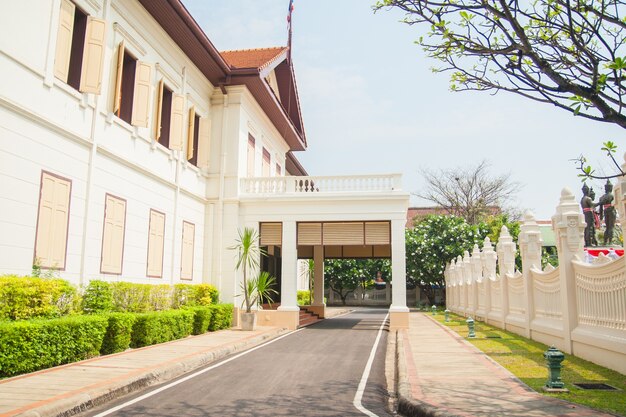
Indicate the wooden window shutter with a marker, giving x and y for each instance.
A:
(177, 122)
(141, 94)
(310, 234)
(186, 262)
(156, 241)
(204, 142)
(93, 56)
(159, 109)
(113, 235)
(343, 233)
(53, 220)
(117, 99)
(191, 128)
(377, 233)
(271, 234)
(251, 156)
(266, 163)
(64, 40)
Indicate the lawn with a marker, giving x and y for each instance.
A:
(524, 358)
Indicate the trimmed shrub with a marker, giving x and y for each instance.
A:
(28, 346)
(161, 326)
(222, 317)
(131, 297)
(201, 319)
(160, 297)
(206, 294)
(23, 298)
(98, 297)
(118, 332)
(187, 295)
(303, 298)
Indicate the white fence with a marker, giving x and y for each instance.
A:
(321, 184)
(578, 307)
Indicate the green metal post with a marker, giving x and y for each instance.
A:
(554, 357)
(470, 326)
(434, 309)
(447, 314)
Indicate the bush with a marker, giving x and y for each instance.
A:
(206, 294)
(31, 345)
(202, 318)
(131, 297)
(303, 298)
(118, 333)
(23, 298)
(162, 326)
(98, 297)
(194, 295)
(222, 317)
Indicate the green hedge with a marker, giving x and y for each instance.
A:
(162, 326)
(202, 318)
(303, 298)
(222, 317)
(27, 346)
(119, 332)
(29, 297)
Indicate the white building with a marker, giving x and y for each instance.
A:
(131, 149)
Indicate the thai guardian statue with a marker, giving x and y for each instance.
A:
(587, 205)
(608, 212)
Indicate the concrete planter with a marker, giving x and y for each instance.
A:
(248, 321)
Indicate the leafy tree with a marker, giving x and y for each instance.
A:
(471, 192)
(433, 242)
(570, 54)
(344, 276)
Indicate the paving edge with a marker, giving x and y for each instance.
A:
(87, 400)
(407, 405)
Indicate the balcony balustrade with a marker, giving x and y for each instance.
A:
(383, 183)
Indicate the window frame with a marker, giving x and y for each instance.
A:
(162, 245)
(182, 250)
(106, 196)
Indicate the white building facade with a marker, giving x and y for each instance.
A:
(132, 150)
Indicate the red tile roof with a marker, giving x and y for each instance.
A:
(252, 58)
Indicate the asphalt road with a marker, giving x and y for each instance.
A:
(312, 372)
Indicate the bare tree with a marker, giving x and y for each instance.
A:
(470, 192)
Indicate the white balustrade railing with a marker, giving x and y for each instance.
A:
(321, 184)
(547, 293)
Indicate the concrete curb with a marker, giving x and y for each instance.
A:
(91, 398)
(409, 406)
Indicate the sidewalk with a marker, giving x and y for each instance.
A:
(442, 375)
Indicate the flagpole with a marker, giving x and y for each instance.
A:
(289, 35)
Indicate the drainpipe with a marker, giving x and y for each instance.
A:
(220, 209)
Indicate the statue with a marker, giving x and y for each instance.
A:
(608, 212)
(587, 205)
(596, 218)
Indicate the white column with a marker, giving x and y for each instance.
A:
(530, 242)
(318, 279)
(569, 224)
(289, 275)
(398, 267)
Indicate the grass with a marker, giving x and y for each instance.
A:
(524, 358)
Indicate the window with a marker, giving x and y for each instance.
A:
(186, 261)
(113, 235)
(79, 51)
(156, 241)
(251, 155)
(198, 139)
(52, 221)
(169, 124)
(132, 88)
(279, 171)
(266, 163)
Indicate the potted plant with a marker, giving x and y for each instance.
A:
(255, 290)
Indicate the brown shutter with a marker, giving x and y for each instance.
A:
(159, 109)
(204, 142)
(191, 128)
(141, 94)
(93, 56)
(271, 234)
(343, 233)
(52, 221)
(156, 241)
(186, 262)
(117, 100)
(377, 233)
(309, 234)
(177, 122)
(64, 40)
(113, 235)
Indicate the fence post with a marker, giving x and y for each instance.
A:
(506, 264)
(569, 226)
(530, 250)
(488, 258)
(620, 199)
(477, 277)
(469, 282)
(463, 285)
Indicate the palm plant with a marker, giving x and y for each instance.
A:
(248, 254)
(263, 290)
(310, 273)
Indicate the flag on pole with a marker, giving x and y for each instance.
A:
(289, 12)
(289, 27)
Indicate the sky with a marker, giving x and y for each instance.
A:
(371, 103)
